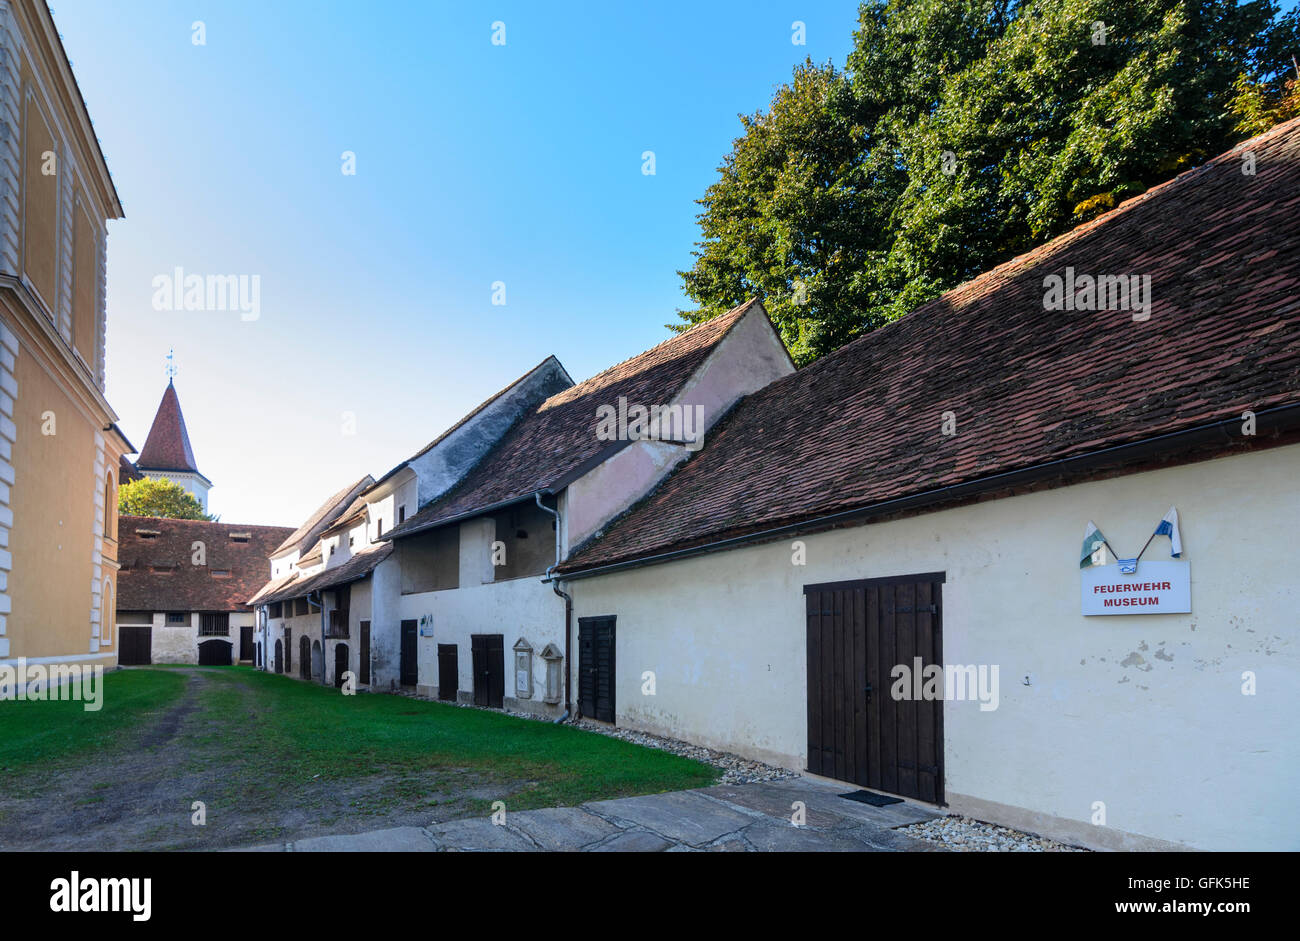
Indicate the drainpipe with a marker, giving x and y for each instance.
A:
(568, 602)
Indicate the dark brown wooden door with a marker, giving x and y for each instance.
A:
(288, 650)
(857, 731)
(596, 668)
(279, 657)
(304, 657)
(409, 667)
(448, 671)
(214, 653)
(363, 655)
(489, 659)
(135, 646)
(246, 642)
(340, 663)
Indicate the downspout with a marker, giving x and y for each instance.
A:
(568, 603)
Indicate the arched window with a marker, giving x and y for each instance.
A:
(110, 507)
(107, 615)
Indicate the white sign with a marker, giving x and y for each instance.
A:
(1155, 588)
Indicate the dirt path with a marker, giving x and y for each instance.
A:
(141, 795)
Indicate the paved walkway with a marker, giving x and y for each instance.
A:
(729, 817)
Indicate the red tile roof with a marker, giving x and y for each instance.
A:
(1027, 385)
(168, 446)
(549, 444)
(158, 571)
(358, 567)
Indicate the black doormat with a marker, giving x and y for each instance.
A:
(875, 800)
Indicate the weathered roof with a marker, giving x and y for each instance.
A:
(550, 443)
(126, 471)
(1026, 385)
(470, 415)
(271, 587)
(359, 566)
(159, 571)
(307, 534)
(168, 446)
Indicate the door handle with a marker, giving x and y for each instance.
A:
(867, 690)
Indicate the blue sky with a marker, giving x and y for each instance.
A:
(475, 163)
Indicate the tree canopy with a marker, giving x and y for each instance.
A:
(961, 133)
(165, 498)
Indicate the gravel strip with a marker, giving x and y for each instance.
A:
(973, 836)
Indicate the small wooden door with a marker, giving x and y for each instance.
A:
(135, 645)
(596, 668)
(857, 731)
(246, 651)
(288, 649)
(363, 654)
(410, 664)
(448, 671)
(304, 657)
(489, 659)
(279, 657)
(340, 663)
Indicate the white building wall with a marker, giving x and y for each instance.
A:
(519, 607)
(1143, 713)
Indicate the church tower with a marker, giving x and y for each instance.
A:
(167, 453)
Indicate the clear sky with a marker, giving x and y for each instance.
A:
(475, 163)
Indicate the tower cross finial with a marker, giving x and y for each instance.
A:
(171, 365)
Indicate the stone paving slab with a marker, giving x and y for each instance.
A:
(394, 840)
(633, 841)
(723, 818)
(478, 835)
(681, 816)
(561, 829)
(825, 798)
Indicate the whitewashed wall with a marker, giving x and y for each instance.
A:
(1143, 713)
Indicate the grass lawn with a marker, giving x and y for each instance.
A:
(275, 758)
(33, 733)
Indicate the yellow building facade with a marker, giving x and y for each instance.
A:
(60, 448)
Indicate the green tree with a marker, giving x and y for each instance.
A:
(150, 497)
(963, 132)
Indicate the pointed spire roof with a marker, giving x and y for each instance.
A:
(168, 446)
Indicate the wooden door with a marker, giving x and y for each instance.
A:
(304, 657)
(857, 731)
(363, 654)
(340, 663)
(246, 642)
(288, 649)
(410, 665)
(214, 653)
(448, 671)
(489, 660)
(596, 668)
(279, 657)
(135, 645)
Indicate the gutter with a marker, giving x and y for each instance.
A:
(568, 604)
(1285, 417)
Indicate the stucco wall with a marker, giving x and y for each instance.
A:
(1143, 713)
(520, 607)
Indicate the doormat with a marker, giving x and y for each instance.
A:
(875, 800)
